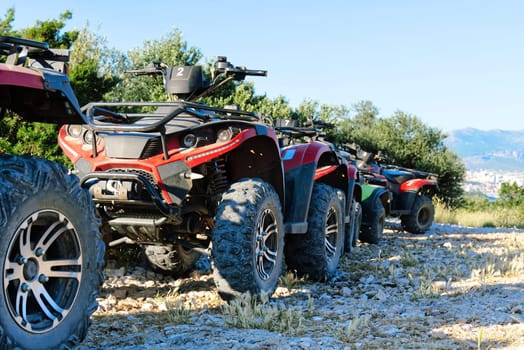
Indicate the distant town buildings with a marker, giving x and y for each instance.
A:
(489, 181)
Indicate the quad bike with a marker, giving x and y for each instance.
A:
(291, 136)
(410, 190)
(51, 249)
(368, 201)
(182, 178)
(375, 202)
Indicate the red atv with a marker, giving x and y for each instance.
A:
(410, 190)
(51, 250)
(309, 140)
(182, 178)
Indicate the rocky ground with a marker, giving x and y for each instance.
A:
(451, 288)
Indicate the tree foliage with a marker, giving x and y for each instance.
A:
(170, 49)
(50, 31)
(6, 24)
(511, 195)
(507, 209)
(94, 67)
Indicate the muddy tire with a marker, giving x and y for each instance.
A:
(353, 227)
(421, 217)
(316, 253)
(171, 260)
(248, 240)
(372, 233)
(51, 252)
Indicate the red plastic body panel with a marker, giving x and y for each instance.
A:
(416, 184)
(325, 170)
(302, 154)
(352, 171)
(21, 76)
(75, 150)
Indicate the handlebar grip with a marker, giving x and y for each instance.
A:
(256, 72)
(145, 71)
(151, 69)
(240, 73)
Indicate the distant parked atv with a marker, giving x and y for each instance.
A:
(51, 250)
(411, 190)
(292, 139)
(375, 203)
(179, 178)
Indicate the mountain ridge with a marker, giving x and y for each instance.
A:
(496, 149)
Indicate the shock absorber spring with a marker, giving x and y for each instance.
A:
(220, 181)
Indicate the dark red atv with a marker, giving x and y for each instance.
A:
(182, 178)
(308, 139)
(410, 190)
(51, 250)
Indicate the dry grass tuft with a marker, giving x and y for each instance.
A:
(251, 312)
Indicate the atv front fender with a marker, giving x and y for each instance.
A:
(305, 164)
(370, 195)
(409, 191)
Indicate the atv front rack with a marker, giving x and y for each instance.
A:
(100, 117)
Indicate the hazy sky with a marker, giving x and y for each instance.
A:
(452, 63)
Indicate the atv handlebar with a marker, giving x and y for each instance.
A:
(152, 69)
(189, 83)
(245, 72)
(222, 66)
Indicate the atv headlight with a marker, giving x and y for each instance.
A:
(190, 140)
(88, 137)
(224, 135)
(74, 130)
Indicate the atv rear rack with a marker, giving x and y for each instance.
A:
(421, 174)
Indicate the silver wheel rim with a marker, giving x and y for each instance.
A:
(266, 249)
(42, 271)
(331, 233)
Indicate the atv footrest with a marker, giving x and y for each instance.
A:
(142, 222)
(138, 229)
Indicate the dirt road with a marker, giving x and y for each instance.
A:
(451, 288)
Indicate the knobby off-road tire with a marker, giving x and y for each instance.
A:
(373, 233)
(353, 227)
(317, 252)
(248, 240)
(51, 255)
(171, 260)
(421, 217)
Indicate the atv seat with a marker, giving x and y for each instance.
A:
(397, 176)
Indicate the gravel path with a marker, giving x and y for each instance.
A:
(451, 288)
